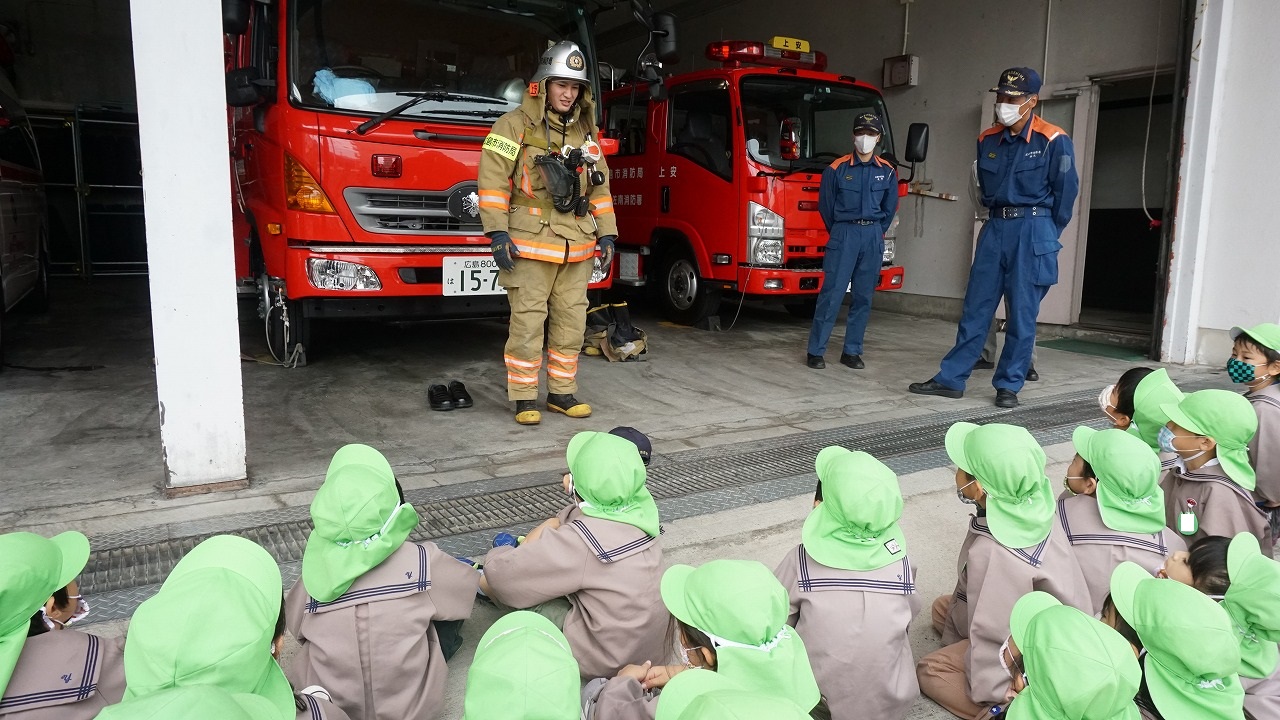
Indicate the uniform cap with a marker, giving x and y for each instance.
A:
(1192, 652)
(1149, 397)
(699, 694)
(869, 121)
(1009, 464)
(1266, 335)
(523, 670)
(643, 445)
(1253, 602)
(359, 521)
(856, 526)
(1129, 495)
(743, 608)
(1229, 419)
(196, 702)
(1018, 81)
(609, 476)
(32, 567)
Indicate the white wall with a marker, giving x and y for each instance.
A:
(963, 46)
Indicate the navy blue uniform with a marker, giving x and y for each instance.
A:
(1029, 182)
(857, 201)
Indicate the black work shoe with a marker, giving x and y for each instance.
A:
(527, 412)
(815, 361)
(439, 398)
(1006, 398)
(1032, 375)
(983, 365)
(933, 387)
(458, 392)
(567, 404)
(853, 361)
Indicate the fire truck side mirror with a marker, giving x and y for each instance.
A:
(658, 91)
(917, 143)
(243, 88)
(664, 37)
(235, 16)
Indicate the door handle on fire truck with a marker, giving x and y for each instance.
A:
(428, 135)
(666, 198)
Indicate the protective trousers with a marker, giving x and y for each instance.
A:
(536, 290)
(854, 252)
(1016, 259)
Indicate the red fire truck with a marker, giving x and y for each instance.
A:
(715, 183)
(356, 131)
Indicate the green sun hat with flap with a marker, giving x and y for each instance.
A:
(196, 702)
(1265, 334)
(1077, 668)
(698, 694)
(609, 476)
(1229, 419)
(211, 623)
(1153, 392)
(523, 670)
(1009, 464)
(1192, 650)
(856, 526)
(743, 609)
(1129, 495)
(1253, 602)
(32, 568)
(359, 521)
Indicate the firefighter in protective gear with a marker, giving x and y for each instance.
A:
(545, 206)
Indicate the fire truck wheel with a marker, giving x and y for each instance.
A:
(686, 298)
(802, 309)
(287, 351)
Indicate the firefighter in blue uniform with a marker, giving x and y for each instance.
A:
(1027, 174)
(857, 198)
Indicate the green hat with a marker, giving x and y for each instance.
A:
(523, 670)
(698, 694)
(196, 702)
(1152, 393)
(211, 623)
(1253, 602)
(359, 521)
(856, 526)
(1078, 668)
(32, 567)
(1265, 334)
(1010, 465)
(743, 609)
(608, 475)
(1192, 650)
(1229, 419)
(1129, 494)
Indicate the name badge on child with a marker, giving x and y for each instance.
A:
(1188, 523)
(893, 547)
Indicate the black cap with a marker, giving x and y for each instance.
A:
(1018, 81)
(640, 439)
(869, 121)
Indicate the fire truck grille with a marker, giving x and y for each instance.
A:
(413, 212)
(803, 264)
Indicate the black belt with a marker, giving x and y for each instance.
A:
(860, 222)
(1009, 212)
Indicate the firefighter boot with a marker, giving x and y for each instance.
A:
(527, 412)
(568, 404)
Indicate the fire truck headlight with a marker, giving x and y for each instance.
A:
(765, 229)
(599, 271)
(764, 251)
(890, 251)
(341, 275)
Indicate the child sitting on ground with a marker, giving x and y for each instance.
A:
(1014, 545)
(365, 585)
(1209, 490)
(1135, 403)
(523, 670)
(1255, 362)
(594, 568)
(852, 590)
(1117, 509)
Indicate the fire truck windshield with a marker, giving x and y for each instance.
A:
(363, 56)
(799, 123)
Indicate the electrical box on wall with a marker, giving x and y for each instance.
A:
(903, 70)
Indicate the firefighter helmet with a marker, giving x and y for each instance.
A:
(562, 61)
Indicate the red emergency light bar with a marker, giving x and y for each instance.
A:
(733, 53)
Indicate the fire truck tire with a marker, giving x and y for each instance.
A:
(299, 333)
(802, 309)
(686, 298)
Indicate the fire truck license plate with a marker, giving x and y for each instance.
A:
(471, 276)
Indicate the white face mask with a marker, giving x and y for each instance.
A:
(1008, 113)
(865, 143)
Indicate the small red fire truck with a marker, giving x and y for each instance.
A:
(715, 183)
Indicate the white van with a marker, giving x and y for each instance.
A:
(24, 235)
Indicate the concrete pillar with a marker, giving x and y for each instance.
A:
(178, 65)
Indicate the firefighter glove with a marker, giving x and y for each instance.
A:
(606, 249)
(504, 250)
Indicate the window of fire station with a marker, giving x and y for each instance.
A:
(793, 122)
(370, 56)
(627, 120)
(701, 128)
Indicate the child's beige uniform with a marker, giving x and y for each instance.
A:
(965, 676)
(610, 573)
(64, 675)
(1221, 506)
(375, 649)
(855, 625)
(1099, 550)
(1262, 697)
(1264, 448)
